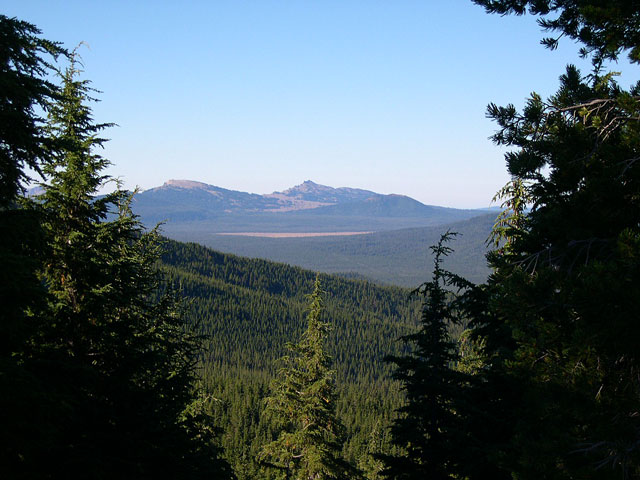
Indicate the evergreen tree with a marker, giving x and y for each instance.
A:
(370, 462)
(25, 90)
(560, 307)
(569, 283)
(119, 361)
(429, 426)
(24, 93)
(302, 407)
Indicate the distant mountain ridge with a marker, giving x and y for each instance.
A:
(307, 195)
(304, 206)
(339, 230)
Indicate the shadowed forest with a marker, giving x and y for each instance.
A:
(128, 355)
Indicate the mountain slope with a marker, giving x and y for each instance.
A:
(252, 307)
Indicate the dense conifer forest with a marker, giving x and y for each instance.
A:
(126, 356)
(249, 309)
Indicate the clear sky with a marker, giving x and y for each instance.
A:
(261, 95)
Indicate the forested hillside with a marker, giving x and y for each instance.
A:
(249, 309)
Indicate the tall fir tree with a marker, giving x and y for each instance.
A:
(25, 92)
(563, 298)
(120, 360)
(429, 429)
(568, 284)
(302, 407)
(25, 63)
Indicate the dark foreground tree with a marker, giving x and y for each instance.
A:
(429, 428)
(25, 89)
(24, 94)
(562, 302)
(569, 284)
(115, 362)
(302, 408)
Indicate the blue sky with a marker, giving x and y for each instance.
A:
(259, 96)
